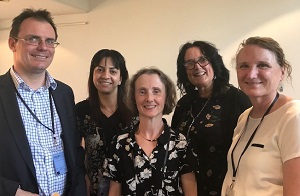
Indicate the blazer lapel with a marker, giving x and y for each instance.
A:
(59, 100)
(14, 119)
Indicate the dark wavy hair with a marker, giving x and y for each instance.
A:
(40, 15)
(221, 81)
(119, 63)
(271, 45)
(170, 101)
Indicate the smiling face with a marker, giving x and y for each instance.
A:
(106, 77)
(201, 77)
(258, 72)
(150, 96)
(29, 59)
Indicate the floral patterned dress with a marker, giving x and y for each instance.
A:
(209, 126)
(98, 137)
(143, 175)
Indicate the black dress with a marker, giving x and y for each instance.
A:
(208, 125)
(98, 137)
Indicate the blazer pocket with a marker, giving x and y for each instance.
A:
(258, 145)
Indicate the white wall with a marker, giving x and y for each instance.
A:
(149, 33)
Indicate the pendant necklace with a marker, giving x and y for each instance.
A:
(194, 118)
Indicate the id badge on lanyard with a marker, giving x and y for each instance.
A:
(59, 163)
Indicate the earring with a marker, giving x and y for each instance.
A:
(280, 87)
(215, 77)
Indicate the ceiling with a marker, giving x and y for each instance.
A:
(10, 9)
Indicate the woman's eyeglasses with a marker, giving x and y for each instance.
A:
(202, 61)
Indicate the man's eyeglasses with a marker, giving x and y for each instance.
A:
(202, 61)
(35, 41)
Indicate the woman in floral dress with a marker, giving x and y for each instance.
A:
(103, 114)
(151, 158)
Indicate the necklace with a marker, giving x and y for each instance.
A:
(194, 118)
(149, 140)
(191, 111)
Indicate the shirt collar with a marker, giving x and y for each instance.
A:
(19, 82)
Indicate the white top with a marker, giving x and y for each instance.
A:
(276, 141)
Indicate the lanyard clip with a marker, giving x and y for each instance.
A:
(232, 184)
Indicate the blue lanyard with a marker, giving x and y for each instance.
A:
(36, 118)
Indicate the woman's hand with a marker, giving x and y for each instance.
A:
(291, 177)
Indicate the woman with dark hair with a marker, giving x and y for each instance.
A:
(151, 158)
(208, 111)
(103, 114)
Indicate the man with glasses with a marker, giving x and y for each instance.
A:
(39, 145)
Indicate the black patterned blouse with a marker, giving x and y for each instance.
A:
(210, 134)
(143, 175)
(98, 137)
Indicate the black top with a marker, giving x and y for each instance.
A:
(98, 136)
(210, 134)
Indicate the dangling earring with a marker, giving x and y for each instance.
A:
(280, 87)
(215, 77)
